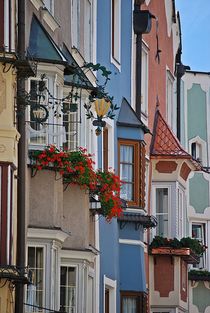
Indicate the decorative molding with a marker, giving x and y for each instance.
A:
(53, 234)
(86, 255)
(49, 19)
(132, 242)
(166, 166)
(37, 4)
(185, 171)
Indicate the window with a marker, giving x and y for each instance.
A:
(181, 213)
(75, 25)
(68, 289)
(49, 4)
(6, 205)
(171, 118)
(144, 81)
(129, 164)
(132, 302)
(38, 133)
(105, 150)
(88, 29)
(198, 232)
(70, 123)
(35, 291)
(196, 151)
(162, 203)
(116, 30)
(132, 171)
(109, 295)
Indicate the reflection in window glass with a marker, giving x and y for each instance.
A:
(162, 211)
(68, 289)
(35, 291)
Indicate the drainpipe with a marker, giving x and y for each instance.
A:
(137, 7)
(20, 256)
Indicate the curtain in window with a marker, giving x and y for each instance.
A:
(129, 305)
(126, 171)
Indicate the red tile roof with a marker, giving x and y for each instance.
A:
(164, 142)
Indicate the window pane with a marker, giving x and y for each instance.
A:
(68, 289)
(129, 305)
(127, 192)
(197, 232)
(162, 200)
(126, 172)
(126, 154)
(162, 228)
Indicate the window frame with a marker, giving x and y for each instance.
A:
(39, 245)
(73, 265)
(116, 32)
(159, 185)
(204, 257)
(75, 24)
(136, 165)
(181, 231)
(170, 106)
(50, 6)
(140, 300)
(111, 285)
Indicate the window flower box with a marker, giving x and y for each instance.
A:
(196, 275)
(185, 253)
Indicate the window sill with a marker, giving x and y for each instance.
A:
(49, 19)
(116, 63)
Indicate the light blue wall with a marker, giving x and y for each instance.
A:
(199, 192)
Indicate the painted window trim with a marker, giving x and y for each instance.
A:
(205, 255)
(156, 185)
(181, 189)
(112, 286)
(169, 77)
(116, 60)
(75, 265)
(202, 144)
(136, 145)
(138, 295)
(32, 244)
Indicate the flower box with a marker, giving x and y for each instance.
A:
(185, 253)
(196, 275)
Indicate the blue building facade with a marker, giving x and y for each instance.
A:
(122, 266)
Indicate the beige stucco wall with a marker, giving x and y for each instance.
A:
(49, 205)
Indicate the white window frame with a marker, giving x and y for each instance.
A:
(181, 212)
(111, 285)
(205, 241)
(74, 265)
(75, 23)
(43, 246)
(170, 113)
(116, 54)
(88, 32)
(159, 310)
(201, 145)
(144, 81)
(155, 186)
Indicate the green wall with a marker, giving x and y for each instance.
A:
(197, 112)
(199, 192)
(201, 297)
